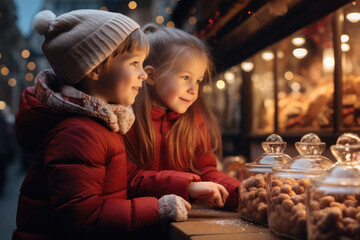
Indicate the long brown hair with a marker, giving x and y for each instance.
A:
(168, 46)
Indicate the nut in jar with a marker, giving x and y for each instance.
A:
(252, 189)
(287, 184)
(333, 202)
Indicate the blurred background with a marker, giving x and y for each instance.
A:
(283, 66)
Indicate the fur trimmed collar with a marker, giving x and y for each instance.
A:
(119, 118)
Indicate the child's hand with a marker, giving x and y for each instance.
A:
(173, 208)
(210, 194)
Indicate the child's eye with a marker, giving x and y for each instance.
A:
(135, 64)
(185, 77)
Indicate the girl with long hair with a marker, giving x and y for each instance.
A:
(174, 129)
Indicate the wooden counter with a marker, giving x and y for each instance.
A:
(209, 224)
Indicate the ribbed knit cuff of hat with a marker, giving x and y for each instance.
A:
(172, 208)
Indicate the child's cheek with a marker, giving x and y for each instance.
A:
(171, 91)
(121, 77)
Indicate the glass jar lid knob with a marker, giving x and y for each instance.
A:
(347, 148)
(310, 144)
(274, 144)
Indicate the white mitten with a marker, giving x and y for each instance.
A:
(172, 208)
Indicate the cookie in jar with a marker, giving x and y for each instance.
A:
(333, 200)
(287, 184)
(252, 189)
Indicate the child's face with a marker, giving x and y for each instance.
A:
(121, 83)
(178, 88)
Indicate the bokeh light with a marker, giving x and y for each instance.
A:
(132, 5)
(29, 77)
(25, 53)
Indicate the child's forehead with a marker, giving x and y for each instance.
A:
(191, 62)
(135, 54)
(196, 66)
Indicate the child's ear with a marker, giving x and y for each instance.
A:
(150, 72)
(94, 74)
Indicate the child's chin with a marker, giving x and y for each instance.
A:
(180, 111)
(128, 103)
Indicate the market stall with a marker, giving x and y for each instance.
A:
(286, 67)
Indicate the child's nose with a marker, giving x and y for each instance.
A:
(143, 75)
(193, 88)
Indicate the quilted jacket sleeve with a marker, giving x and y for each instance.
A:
(158, 183)
(206, 164)
(75, 163)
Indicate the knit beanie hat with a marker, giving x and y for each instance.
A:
(78, 41)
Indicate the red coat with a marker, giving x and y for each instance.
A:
(77, 184)
(205, 163)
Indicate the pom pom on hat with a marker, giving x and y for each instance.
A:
(42, 21)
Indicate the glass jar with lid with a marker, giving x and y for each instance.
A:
(252, 189)
(287, 184)
(333, 200)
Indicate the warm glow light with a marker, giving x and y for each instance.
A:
(328, 60)
(29, 77)
(300, 53)
(159, 19)
(289, 75)
(2, 105)
(229, 77)
(31, 65)
(353, 17)
(345, 47)
(132, 4)
(267, 56)
(25, 53)
(12, 82)
(4, 71)
(170, 24)
(344, 38)
(298, 41)
(295, 86)
(104, 8)
(328, 63)
(168, 10)
(247, 66)
(192, 20)
(0, 55)
(220, 84)
(207, 89)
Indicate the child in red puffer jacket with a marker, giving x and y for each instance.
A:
(174, 129)
(77, 185)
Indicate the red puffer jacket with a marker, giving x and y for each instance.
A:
(77, 185)
(205, 163)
